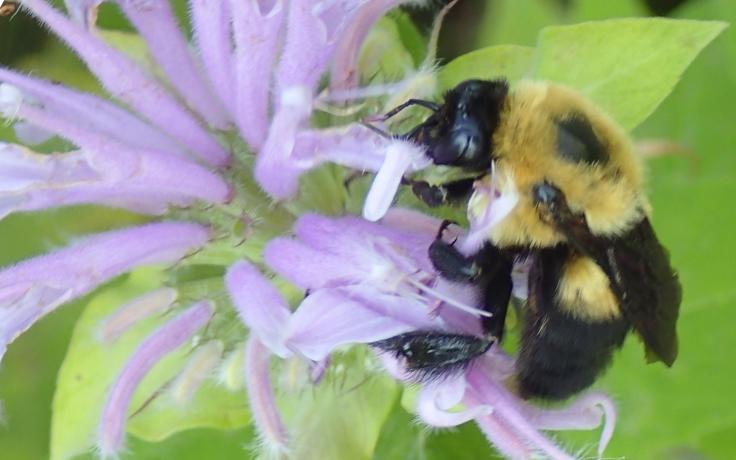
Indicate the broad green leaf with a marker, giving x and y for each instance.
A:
(91, 366)
(503, 61)
(212, 406)
(626, 66)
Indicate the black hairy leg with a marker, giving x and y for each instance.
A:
(437, 195)
(434, 354)
(489, 269)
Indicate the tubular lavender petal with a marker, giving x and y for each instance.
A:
(511, 415)
(145, 182)
(500, 436)
(266, 416)
(160, 343)
(257, 31)
(93, 112)
(157, 25)
(344, 73)
(127, 82)
(131, 313)
(212, 29)
(259, 305)
(34, 287)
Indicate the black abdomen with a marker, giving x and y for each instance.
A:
(561, 354)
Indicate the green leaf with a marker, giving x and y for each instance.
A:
(212, 406)
(508, 61)
(90, 367)
(626, 66)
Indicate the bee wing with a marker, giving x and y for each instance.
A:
(648, 288)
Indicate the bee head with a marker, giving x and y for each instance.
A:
(460, 132)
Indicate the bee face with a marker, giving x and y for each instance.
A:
(461, 132)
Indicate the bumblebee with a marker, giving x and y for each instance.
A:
(582, 218)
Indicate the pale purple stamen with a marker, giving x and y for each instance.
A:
(160, 343)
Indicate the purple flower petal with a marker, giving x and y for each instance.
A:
(509, 413)
(274, 169)
(344, 73)
(160, 343)
(327, 319)
(353, 146)
(131, 313)
(400, 156)
(212, 33)
(348, 235)
(31, 134)
(142, 181)
(89, 113)
(35, 287)
(306, 267)
(585, 413)
(257, 26)
(127, 82)
(157, 25)
(271, 430)
(314, 29)
(436, 399)
(259, 305)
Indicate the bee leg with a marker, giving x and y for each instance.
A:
(553, 209)
(489, 269)
(433, 106)
(437, 195)
(433, 354)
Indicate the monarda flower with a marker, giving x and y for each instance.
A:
(213, 145)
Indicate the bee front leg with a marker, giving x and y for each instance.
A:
(438, 195)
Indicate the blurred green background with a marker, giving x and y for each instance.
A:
(684, 413)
